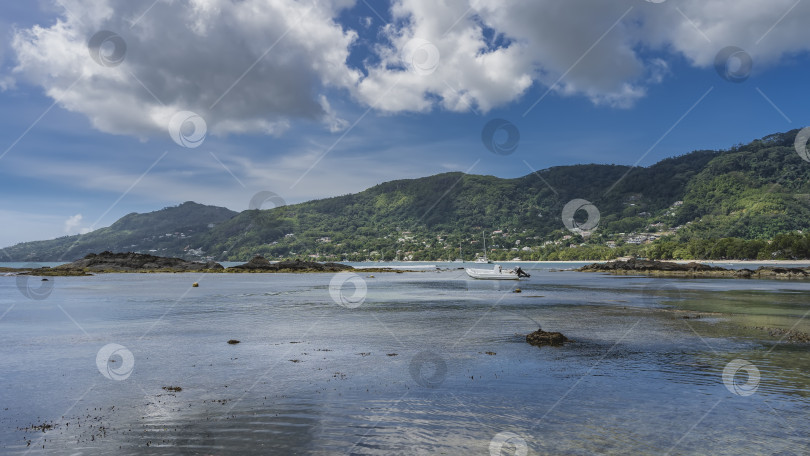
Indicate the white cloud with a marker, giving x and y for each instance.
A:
(247, 66)
(331, 119)
(6, 81)
(596, 48)
(186, 55)
(72, 225)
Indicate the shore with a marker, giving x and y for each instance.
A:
(743, 262)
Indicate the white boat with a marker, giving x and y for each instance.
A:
(496, 273)
(484, 259)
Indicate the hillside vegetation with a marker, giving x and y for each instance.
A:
(750, 201)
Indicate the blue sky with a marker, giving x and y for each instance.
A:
(311, 100)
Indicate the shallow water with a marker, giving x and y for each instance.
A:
(404, 372)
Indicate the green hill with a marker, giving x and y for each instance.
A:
(705, 204)
(172, 230)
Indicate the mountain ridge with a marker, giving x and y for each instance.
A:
(753, 193)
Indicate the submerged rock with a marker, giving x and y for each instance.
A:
(540, 338)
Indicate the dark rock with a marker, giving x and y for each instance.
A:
(770, 271)
(261, 264)
(743, 273)
(540, 338)
(693, 270)
(636, 265)
(135, 262)
(233, 341)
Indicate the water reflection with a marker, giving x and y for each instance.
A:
(644, 366)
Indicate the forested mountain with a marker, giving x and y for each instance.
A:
(705, 204)
(172, 230)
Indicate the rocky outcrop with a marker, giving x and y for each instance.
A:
(635, 265)
(134, 262)
(540, 338)
(693, 270)
(775, 273)
(260, 264)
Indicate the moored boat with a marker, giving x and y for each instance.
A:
(497, 273)
(484, 259)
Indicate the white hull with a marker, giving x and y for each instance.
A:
(495, 273)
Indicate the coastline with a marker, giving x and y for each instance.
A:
(770, 262)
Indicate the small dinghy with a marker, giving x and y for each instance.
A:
(497, 273)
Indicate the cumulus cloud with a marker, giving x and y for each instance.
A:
(6, 82)
(72, 225)
(609, 51)
(247, 66)
(255, 66)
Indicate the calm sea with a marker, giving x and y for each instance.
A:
(418, 363)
